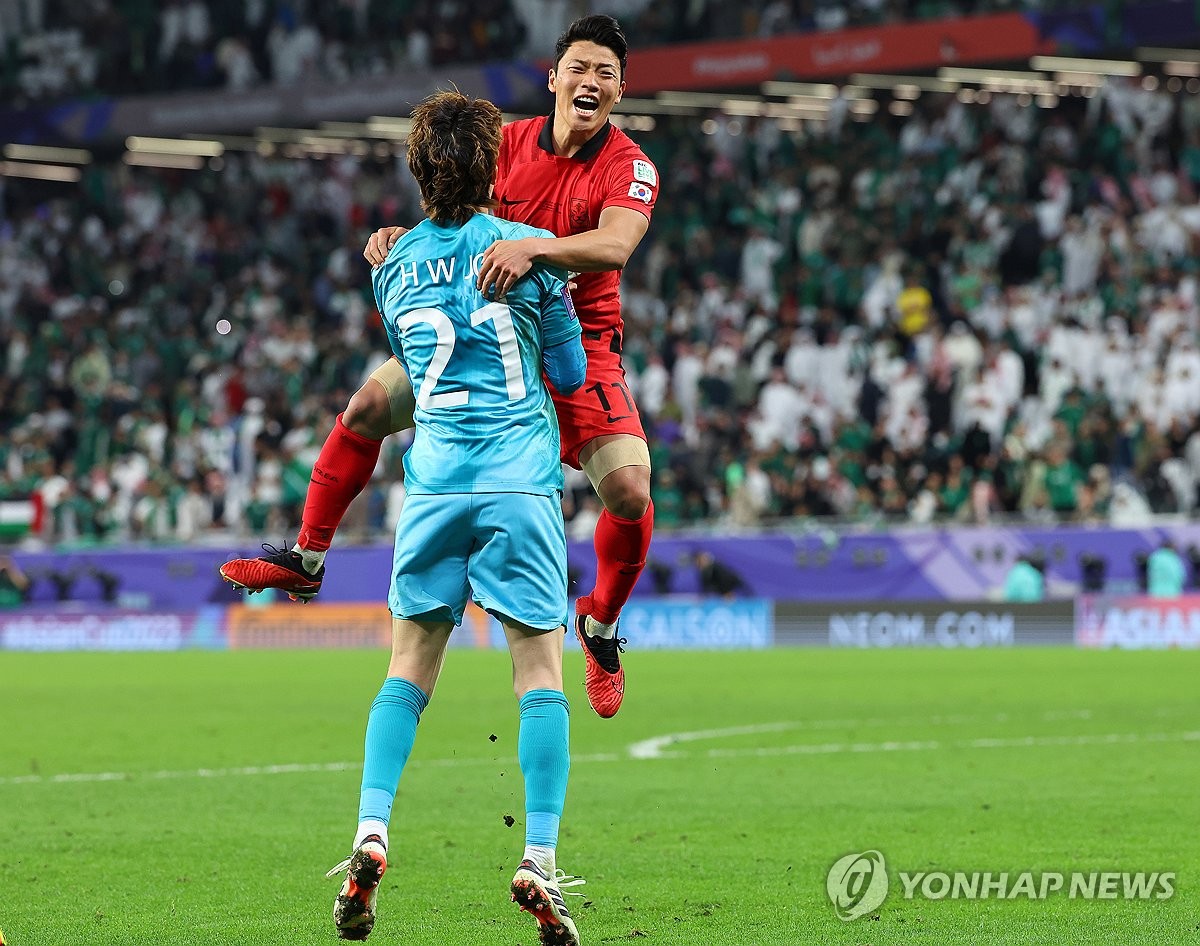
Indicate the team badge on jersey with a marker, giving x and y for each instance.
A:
(579, 215)
(644, 171)
(641, 192)
(568, 302)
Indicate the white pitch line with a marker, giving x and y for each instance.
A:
(287, 769)
(1019, 742)
(644, 747)
(190, 773)
(655, 748)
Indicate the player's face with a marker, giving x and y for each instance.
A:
(586, 85)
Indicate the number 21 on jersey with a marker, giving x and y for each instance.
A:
(510, 353)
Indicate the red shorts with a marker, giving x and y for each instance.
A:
(603, 406)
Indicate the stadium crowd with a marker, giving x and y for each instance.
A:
(961, 312)
(55, 48)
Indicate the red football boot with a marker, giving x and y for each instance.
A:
(604, 678)
(279, 568)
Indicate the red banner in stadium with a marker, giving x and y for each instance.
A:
(1005, 36)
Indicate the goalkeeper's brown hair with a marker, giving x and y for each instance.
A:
(452, 152)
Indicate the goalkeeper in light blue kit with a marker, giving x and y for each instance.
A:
(482, 516)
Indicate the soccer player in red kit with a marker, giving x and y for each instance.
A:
(583, 179)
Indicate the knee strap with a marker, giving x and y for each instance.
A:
(401, 402)
(626, 451)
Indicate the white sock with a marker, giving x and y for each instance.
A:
(311, 560)
(595, 629)
(543, 857)
(369, 827)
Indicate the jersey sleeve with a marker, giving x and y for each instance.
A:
(631, 181)
(559, 321)
(566, 366)
(379, 284)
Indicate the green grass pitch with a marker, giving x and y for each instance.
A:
(1043, 760)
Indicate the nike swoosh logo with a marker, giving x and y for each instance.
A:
(613, 420)
(508, 203)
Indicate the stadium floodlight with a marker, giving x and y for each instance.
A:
(318, 145)
(782, 110)
(820, 90)
(18, 152)
(195, 147)
(744, 107)
(1179, 67)
(1162, 54)
(278, 135)
(388, 126)
(1103, 67)
(1081, 79)
(152, 159)
(980, 76)
(701, 99)
(925, 83)
(634, 122)
(238, 142)
(809, 101)
(999, 84)
(656, 107)
(40, 172)
(344, 130)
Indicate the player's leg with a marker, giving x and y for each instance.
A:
(618, 467)
(383, 405)
(532, 604)
(602, 434)
(418, 649)
(543, 750)
(429, 592)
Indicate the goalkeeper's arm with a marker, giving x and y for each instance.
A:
(565, 365)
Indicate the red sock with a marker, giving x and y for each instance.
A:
(343, 468)
(621, 546)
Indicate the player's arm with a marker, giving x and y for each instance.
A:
(565, 365)
(607, 247)
(379, 285)
(563, 360)
(381, 243)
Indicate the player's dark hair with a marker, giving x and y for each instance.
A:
(598, 28)
(452, 152)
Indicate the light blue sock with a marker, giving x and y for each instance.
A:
(391, 730)
(543, 749)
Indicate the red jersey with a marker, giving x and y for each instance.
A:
(565, 196)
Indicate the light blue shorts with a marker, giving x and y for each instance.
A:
(506, 551)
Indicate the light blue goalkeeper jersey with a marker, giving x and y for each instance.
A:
(485, 421)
